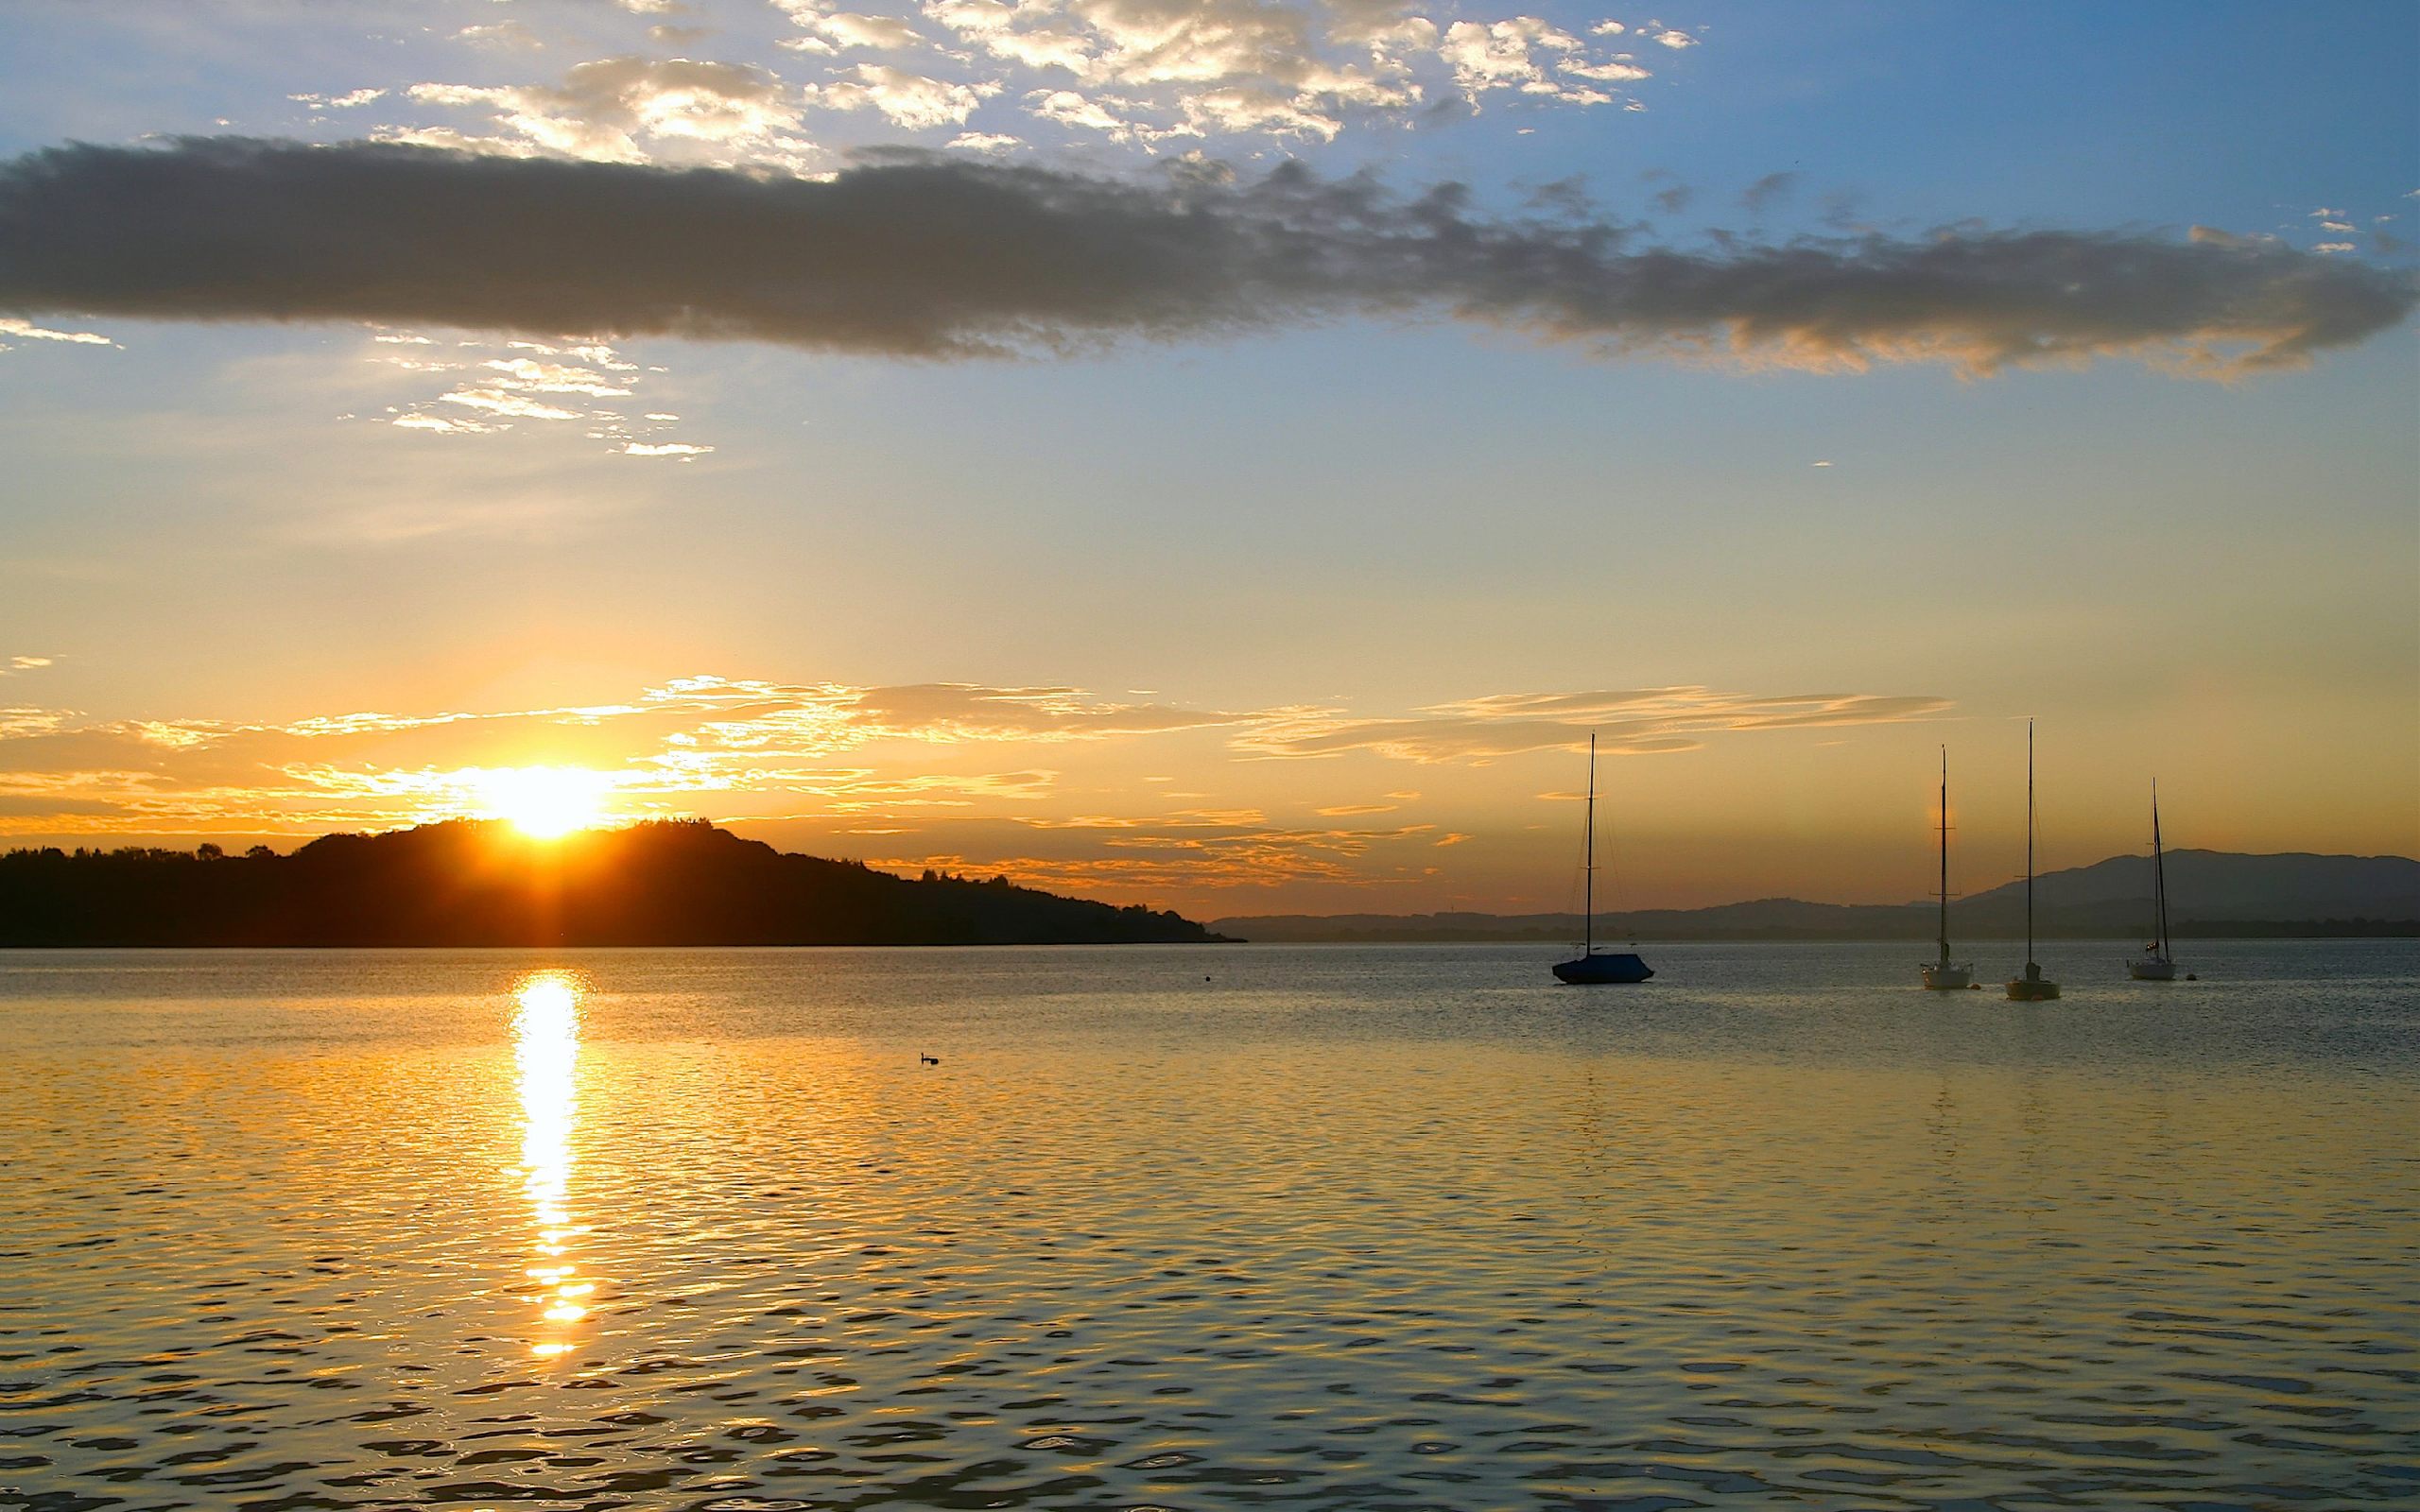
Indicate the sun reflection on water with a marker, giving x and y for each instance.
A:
(546, 1027)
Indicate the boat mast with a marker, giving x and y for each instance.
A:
(2159, 874)
(2029, 842)
(1944, 856)
(1588, 894)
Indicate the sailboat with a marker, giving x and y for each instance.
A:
(1593, 966)
(1940, 976)
(2155, 964)
(2033, 986)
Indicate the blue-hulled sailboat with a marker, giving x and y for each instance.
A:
(1592, 967)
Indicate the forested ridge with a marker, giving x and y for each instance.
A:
(477, 883)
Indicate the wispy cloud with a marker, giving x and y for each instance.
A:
(1639, 721)
(830, 28)
(1147, 71)
(1149, 856)
(1526, 54)
(350, 100)
(908, 100)
(444, 425)
(1766, 190)
(523, 380)
(833, 717)
(28, 331)
(498, 402)
(556, 378)
(500, 34)
(937, 257)
(635, 109)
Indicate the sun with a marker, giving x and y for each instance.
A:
(545, 803)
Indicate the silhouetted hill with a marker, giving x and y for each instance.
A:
(2210, 893)
(469, 883)
(2220, 885)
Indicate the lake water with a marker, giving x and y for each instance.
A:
(1193, 1228)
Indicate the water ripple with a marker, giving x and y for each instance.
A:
(678, 1230)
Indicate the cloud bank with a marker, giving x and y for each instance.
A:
(919, 256)
(735, 746)
(1153, 71)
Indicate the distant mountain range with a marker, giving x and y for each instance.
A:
(2210, 893)
(469, 883)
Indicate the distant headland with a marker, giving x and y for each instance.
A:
(2214, 894)
(479, 883)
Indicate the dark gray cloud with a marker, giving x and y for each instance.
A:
(1767, 190)
(932, 257)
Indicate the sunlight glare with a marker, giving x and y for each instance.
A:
(545, 803)
(546, 1046)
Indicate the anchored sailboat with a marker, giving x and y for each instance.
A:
(2033, 986)
(1940, 976)
(2155, 964)
(1592, 966)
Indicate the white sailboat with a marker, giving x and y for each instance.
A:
(2033, 986)
(2155, 964)
(1593, 966)
(1941, 975)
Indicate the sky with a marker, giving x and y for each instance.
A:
(1227, 456)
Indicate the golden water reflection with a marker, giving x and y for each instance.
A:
(546, 1028)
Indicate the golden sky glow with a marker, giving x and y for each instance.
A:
(1709, 795)
(1320, 419)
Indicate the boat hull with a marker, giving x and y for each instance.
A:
(1596, 970)
(1947, 978)
(2152, 969)
(2032, 989)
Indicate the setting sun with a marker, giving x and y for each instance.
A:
(544, 801)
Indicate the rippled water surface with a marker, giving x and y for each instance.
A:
(1316, 1227)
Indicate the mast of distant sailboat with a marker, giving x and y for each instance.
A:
(2159, 882)
(1614, 966)
(1944, 856)
(2033, 986)
(1588, 882)
(1939, 975)
(2028, 850)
